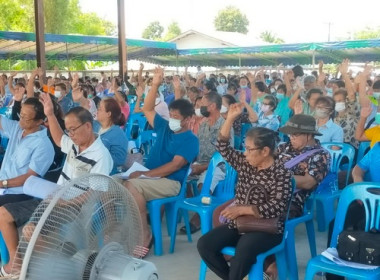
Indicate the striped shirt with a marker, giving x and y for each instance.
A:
(95, 159)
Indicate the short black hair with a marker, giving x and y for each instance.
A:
(376, 85)
(185, 108)
(82, 114)
(38, 107)
(298, 71)
(272, 101)
(339, 83)
(261, 86)
(230, 99)
(263, 137)
(313, 90)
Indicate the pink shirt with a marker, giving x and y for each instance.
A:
(125, 110)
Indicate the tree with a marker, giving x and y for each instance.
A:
(368, 33)
(153, 31)
(232, 20)
(267, 36)
(173, 31)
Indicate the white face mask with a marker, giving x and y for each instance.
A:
(272, 90)
(321, 114)
(340, 106)
(223, 109)
(158, 100)
(265, 108)
(198, 112)
(57, 94)
(174, 124)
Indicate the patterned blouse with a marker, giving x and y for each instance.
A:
(349, 121)
(276, 180)
(317, 166)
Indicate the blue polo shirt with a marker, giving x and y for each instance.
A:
(371, 163)
(331, 132)
(170, 144)
(34, 151)
(116, 143)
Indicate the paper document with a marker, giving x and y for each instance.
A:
(332, 255)
(38, 187)
(135, 167)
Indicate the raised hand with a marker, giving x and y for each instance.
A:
(176, 82)
(19, 94)
(74, 83)
(139, 91)
(141, 66)
(251, 77)
(298, 107)
(48, 104)
(321, 77)
(242, 97)
(343, 67)
(158, 75)
(234, 111)
(14, 74)
(40, 72)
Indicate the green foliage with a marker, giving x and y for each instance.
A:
(173, 31)
(153, 31)
(231, 19)
(267, 36)
(368, 33)
(17, 15)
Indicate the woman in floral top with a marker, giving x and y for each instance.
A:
(259, 170)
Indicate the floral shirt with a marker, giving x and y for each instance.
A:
(348, 121)
(275, 180)
(317, 166)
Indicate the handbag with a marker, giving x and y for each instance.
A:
(359, 246)
(249, 223)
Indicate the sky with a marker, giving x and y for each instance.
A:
(294, 21)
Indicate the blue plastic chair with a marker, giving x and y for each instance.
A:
(257, 269)
(154, 208)
(224, 191)
(325, 199)
(364, 147)
(135, 119)
(371, 201)
(3, 251)
(240, 139)
(145, 140)
(290, 245)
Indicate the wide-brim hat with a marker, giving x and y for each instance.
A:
(301, 124)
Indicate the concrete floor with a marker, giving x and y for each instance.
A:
(184, 262)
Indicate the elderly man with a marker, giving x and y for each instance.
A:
(85, 154)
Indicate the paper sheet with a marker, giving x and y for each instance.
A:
(332, 255)
(38, 187)
(135, 167)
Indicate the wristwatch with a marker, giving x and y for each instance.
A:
(4, 184)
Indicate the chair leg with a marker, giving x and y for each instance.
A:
(174, 229)
(311, 236)
(206, 222)
(291, 256)
(256, 271)
(186, 219)
(325, 212)
(310, 272)
(202, 271)
(3, 251)
(155, 223)
(281, 265)
(169, 213)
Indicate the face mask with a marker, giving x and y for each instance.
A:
(222, 80)
(161, 88)
(340, 106)
(329, 91)
(198, 112)
(158, 100)
(90, 96)
(243, 87)
(280, 96)
(223, 109)
(321, 114)
(376, 95)
(265, 108)
(273, 90)
(204, 111)
(174, 124)
(57, 94)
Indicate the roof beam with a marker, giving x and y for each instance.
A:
(121, 39)
(39, 23)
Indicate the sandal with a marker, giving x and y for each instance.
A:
(4, 275)
(141, 251)
(193, 229)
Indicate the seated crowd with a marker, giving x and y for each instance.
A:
(61, 128)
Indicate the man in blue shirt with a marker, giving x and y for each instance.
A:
(369, 166)
(175, 149)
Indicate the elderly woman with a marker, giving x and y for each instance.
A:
(110, 119)
(260, 170)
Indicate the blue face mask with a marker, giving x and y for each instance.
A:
(161, 88)
(329, 91)
(376, 95)
(243, 87)
(222, 80)
(377, 118)
(280, 96)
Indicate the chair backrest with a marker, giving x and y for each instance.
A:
(226, 187)
(346, 150)
(133, 118)
(182, 191)
(369, 194)
(364, 147)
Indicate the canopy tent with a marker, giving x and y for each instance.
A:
(22, 46)
(287, 54)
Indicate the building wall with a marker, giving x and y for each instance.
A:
(194, 41)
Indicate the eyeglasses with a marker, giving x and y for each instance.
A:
(294, 135)
(23, 118)
(248, 149)
(72, 131)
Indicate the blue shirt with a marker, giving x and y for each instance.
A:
(283, 110)
(116, 143)
(170, 144)
(371, 163)
(34, 151)
(271, 121)
(66, 103)
(331, 132)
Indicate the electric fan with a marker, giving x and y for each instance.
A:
(87, 229)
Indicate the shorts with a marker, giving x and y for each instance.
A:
(22, 211)
(219, 175)
(156, 188)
